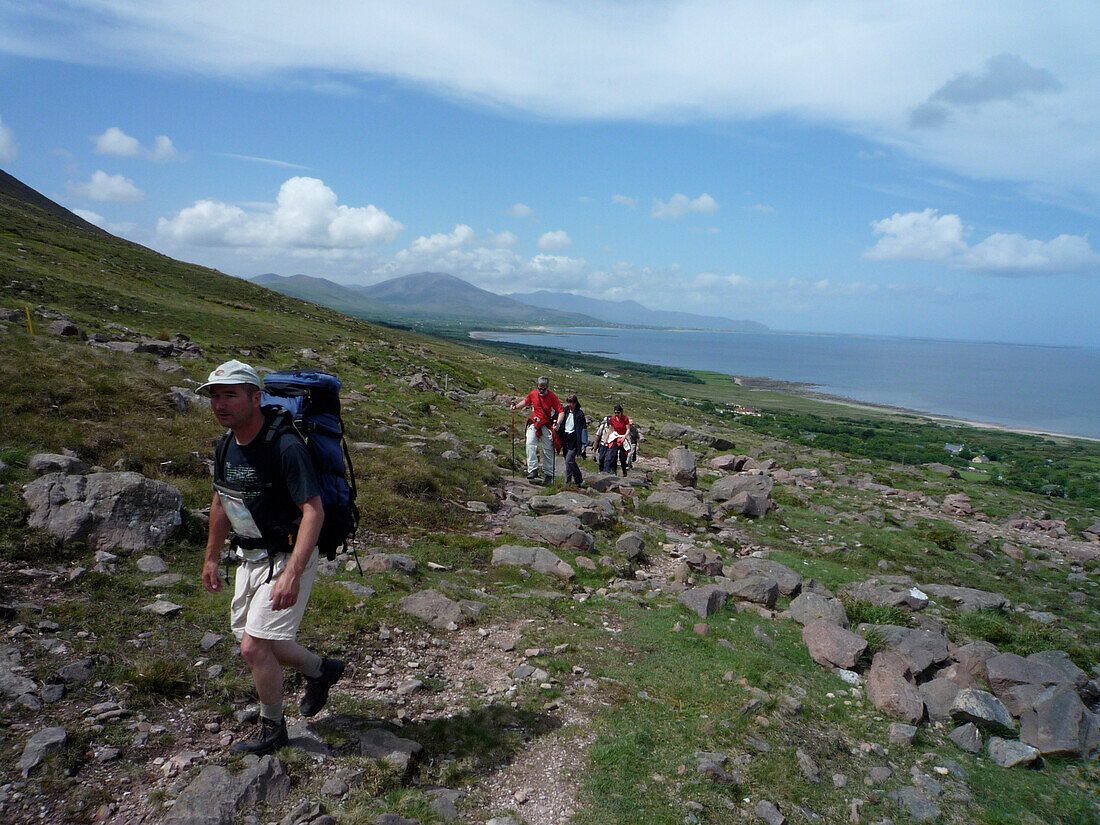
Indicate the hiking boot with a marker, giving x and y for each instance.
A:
(548, 480)
(533, 475)
(317, 689)
(272, 737)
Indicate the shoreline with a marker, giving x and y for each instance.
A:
(804, 390)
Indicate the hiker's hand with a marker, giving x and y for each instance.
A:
(210, 578)
(285, 592)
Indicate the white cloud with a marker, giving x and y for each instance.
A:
(679, 205)
(762, 207)
(125, 229)
(551, 241)
(281, 163)
(104, 187)
(8, 147)
(119, 144)
(858, 67)
(116, 142)
(519, 210)
(624, 200)
(306, 217)
(504, 240)
(462, 236)
(91, 217)
(929, 236)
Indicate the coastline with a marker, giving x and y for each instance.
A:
(805, 390)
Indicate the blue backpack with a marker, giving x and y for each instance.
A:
(308, 403)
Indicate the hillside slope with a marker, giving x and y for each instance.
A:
(640, 677)
(634, 314)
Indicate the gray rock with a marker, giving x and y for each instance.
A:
(704, 600)
(1057, 723)
(920, 648)
(745, 503)
(769, 813)
(967, 599)
(808, 766)
(164, 581)
(682, 466)
(384, 746)
(831, 645)
(152, 564)
(973, 657)
(360, 591)
(334, 787)
(683, 433)
(386, 562)
(559, 531)
(214, 797)
(880, 773)
(1060, 661)
(902, 734)
(939, 696)
(631, 544)
(915, 803)
(728, 463)
(892, 693)
(758, 483)
(43, 463)
(209, 639)
(810, 607)
(538, 559)
(181, 399)
(983, 709)
(162, 607)
(681, 500)
(75, 672)
(13, 684)
(44, 741)
(1008, 753)
(592, 512)
(757, 589)
(433, 607)
(1016, 681)
(306, 739)
(106, 511)
(444, 803)
(53, 693)
(788, 580)
(967, 737)
(875, 591)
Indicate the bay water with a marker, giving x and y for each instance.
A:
(1044, 388)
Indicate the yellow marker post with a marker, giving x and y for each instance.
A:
(30, 328)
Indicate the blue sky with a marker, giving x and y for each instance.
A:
(920, 169)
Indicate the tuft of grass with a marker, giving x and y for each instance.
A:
(860, 612)
(157, 678)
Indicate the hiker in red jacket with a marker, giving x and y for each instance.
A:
(546, 414)
(618, 441)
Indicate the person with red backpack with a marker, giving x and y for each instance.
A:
(547, 413)
(268, 497)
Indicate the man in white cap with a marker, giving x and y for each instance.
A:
(268, 500)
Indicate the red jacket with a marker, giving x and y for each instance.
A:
(545, 409)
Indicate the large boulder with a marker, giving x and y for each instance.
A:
(215, 795)
(681, 500)
(833, 646)
(106, 511)
(788, 580)
(592, 512)
(538, 559)
(758, 483)
(728, 463)
(939, 697)
(892, 693)
(704, 600)
(889, 594)
(748, 504)
(559, 531)
(983, 709)
(681, 466)
(1017, 681)
(757, 589)
(1058, 723)
(631, 544)
(1008, 753)
(809, 607)
(967, 599)
(919, 648)
(42, 463)
(973, 656)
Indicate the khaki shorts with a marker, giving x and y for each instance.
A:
(251, 611)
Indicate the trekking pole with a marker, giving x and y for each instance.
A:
(513, 445)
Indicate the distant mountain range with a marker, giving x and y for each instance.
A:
(439, 298)
(632, 313)
(425, 297)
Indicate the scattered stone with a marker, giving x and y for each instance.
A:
(902, 734)
(538, 559)
(831, 645)
(983, 709)
(811, 607)
(757, 483)
(162, 607)
(434, 608)
(556, 530)
(44, 463)
(75, 672)
(387, 562)
(769, 813)
(891, 693)
(215, 796)
(919, 807)
(704, 600)
(384, 746)
(745, 503)
(1017, 681)
(105, 510)
(1008, 753)
(808, 766)
(967, 737)
(631, 544)
(939, 696)
(756, 589)
(788, 580)
(681, 500)
(592, 512)
(152, 564)
(43, 742)
(163, 582)
(360, 591)
(890, 594)
(682, 466)
(209, 639)
(967, 599)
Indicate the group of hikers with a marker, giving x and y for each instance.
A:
(553, 428)
(272, 504)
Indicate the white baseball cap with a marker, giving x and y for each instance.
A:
(232, 372)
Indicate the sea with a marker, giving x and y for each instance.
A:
(1051, 389)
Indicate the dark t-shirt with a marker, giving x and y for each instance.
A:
(274, 495)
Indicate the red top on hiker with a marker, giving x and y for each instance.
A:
(545, 407)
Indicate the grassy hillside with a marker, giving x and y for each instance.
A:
(631, 695)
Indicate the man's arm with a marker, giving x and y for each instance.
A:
(526, 402)
(219, 532)
(285, 592)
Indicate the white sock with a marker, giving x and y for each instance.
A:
(273, 713)
(312, 667)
